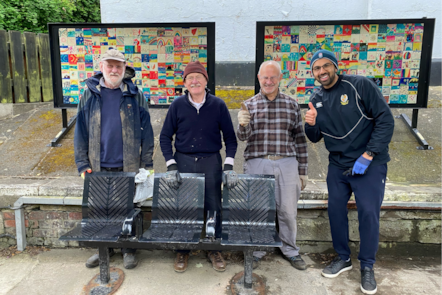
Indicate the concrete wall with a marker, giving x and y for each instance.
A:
(236, 22)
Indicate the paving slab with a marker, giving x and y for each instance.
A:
(63, 272)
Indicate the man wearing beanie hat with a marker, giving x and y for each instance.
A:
(352, 116)
(271, 123)
(198, 120)
(111, 104)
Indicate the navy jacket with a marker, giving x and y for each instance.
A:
(138, 140)
(353, 117)
(198, 133)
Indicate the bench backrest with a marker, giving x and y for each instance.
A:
(108, 197)
(182, 206)
(250, 205)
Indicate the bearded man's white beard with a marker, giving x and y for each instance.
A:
(108, 80)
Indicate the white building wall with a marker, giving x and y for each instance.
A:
(236, 20)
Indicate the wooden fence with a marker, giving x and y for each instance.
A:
(25, 67)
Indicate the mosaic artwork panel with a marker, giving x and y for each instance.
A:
(389, 54)
(158, 55)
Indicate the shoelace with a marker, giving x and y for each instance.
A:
(367, 276)
(335, 263)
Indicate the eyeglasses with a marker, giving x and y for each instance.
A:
(198, 78)
(326, 67)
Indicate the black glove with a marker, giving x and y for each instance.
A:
(230, 178)
(173, 177)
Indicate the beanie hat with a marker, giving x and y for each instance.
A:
(324, 54)
(195, 67)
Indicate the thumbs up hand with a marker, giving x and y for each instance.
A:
(310, 116)
(243, 116)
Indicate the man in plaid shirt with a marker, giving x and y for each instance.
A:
(271, 123)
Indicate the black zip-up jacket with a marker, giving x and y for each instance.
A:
(353, 117)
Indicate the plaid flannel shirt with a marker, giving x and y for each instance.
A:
(275, 128)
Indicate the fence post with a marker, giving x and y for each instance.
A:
(5, 70)
(33, 74)
(45, 67)
(18, 67)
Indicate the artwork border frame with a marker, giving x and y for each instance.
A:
(53, 29)
(425, 61)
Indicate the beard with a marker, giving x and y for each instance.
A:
(110, 79)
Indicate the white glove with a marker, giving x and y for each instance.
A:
(243, 118)
(303, 179)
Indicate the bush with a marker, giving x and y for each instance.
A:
(33, 15)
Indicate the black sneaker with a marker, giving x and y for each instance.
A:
(368, 283)
(335, 268)
(296, 261)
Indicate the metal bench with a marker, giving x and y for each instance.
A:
(178, 219)
(107, 209)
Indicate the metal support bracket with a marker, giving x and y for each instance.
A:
(412, 126)
(66, 127)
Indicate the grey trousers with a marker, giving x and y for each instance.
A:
(287, 193)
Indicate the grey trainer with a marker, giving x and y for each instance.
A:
(336, 267)
(368, 282)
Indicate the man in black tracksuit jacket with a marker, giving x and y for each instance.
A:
(352, 116)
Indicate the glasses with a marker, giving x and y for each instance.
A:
(198, 78)
(326, 67)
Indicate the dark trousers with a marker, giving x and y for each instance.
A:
(119, 169)
(369, 193)
(211, 166)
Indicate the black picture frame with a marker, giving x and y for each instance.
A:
(425, 61)
(53, 29)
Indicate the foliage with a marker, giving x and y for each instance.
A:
(33, 15)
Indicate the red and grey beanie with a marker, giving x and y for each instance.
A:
(195, 67)
(324, 54)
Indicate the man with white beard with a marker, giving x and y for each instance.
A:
(113, 131)
(197, 119)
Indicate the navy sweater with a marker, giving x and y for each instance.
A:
(197, 133)
(111, 154)
(353, 117)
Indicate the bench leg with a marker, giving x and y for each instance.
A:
(248, 268)
(103, 254)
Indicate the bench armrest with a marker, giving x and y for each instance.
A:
(128, 222)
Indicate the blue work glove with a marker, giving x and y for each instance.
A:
(173, 177)
(230, 178)
(361, 165)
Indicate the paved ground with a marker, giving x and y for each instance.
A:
(63, 272)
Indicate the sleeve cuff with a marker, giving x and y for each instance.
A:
(229, 161)
(170, 162)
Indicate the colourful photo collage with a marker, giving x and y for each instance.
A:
(389, 54)
(158, 55)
